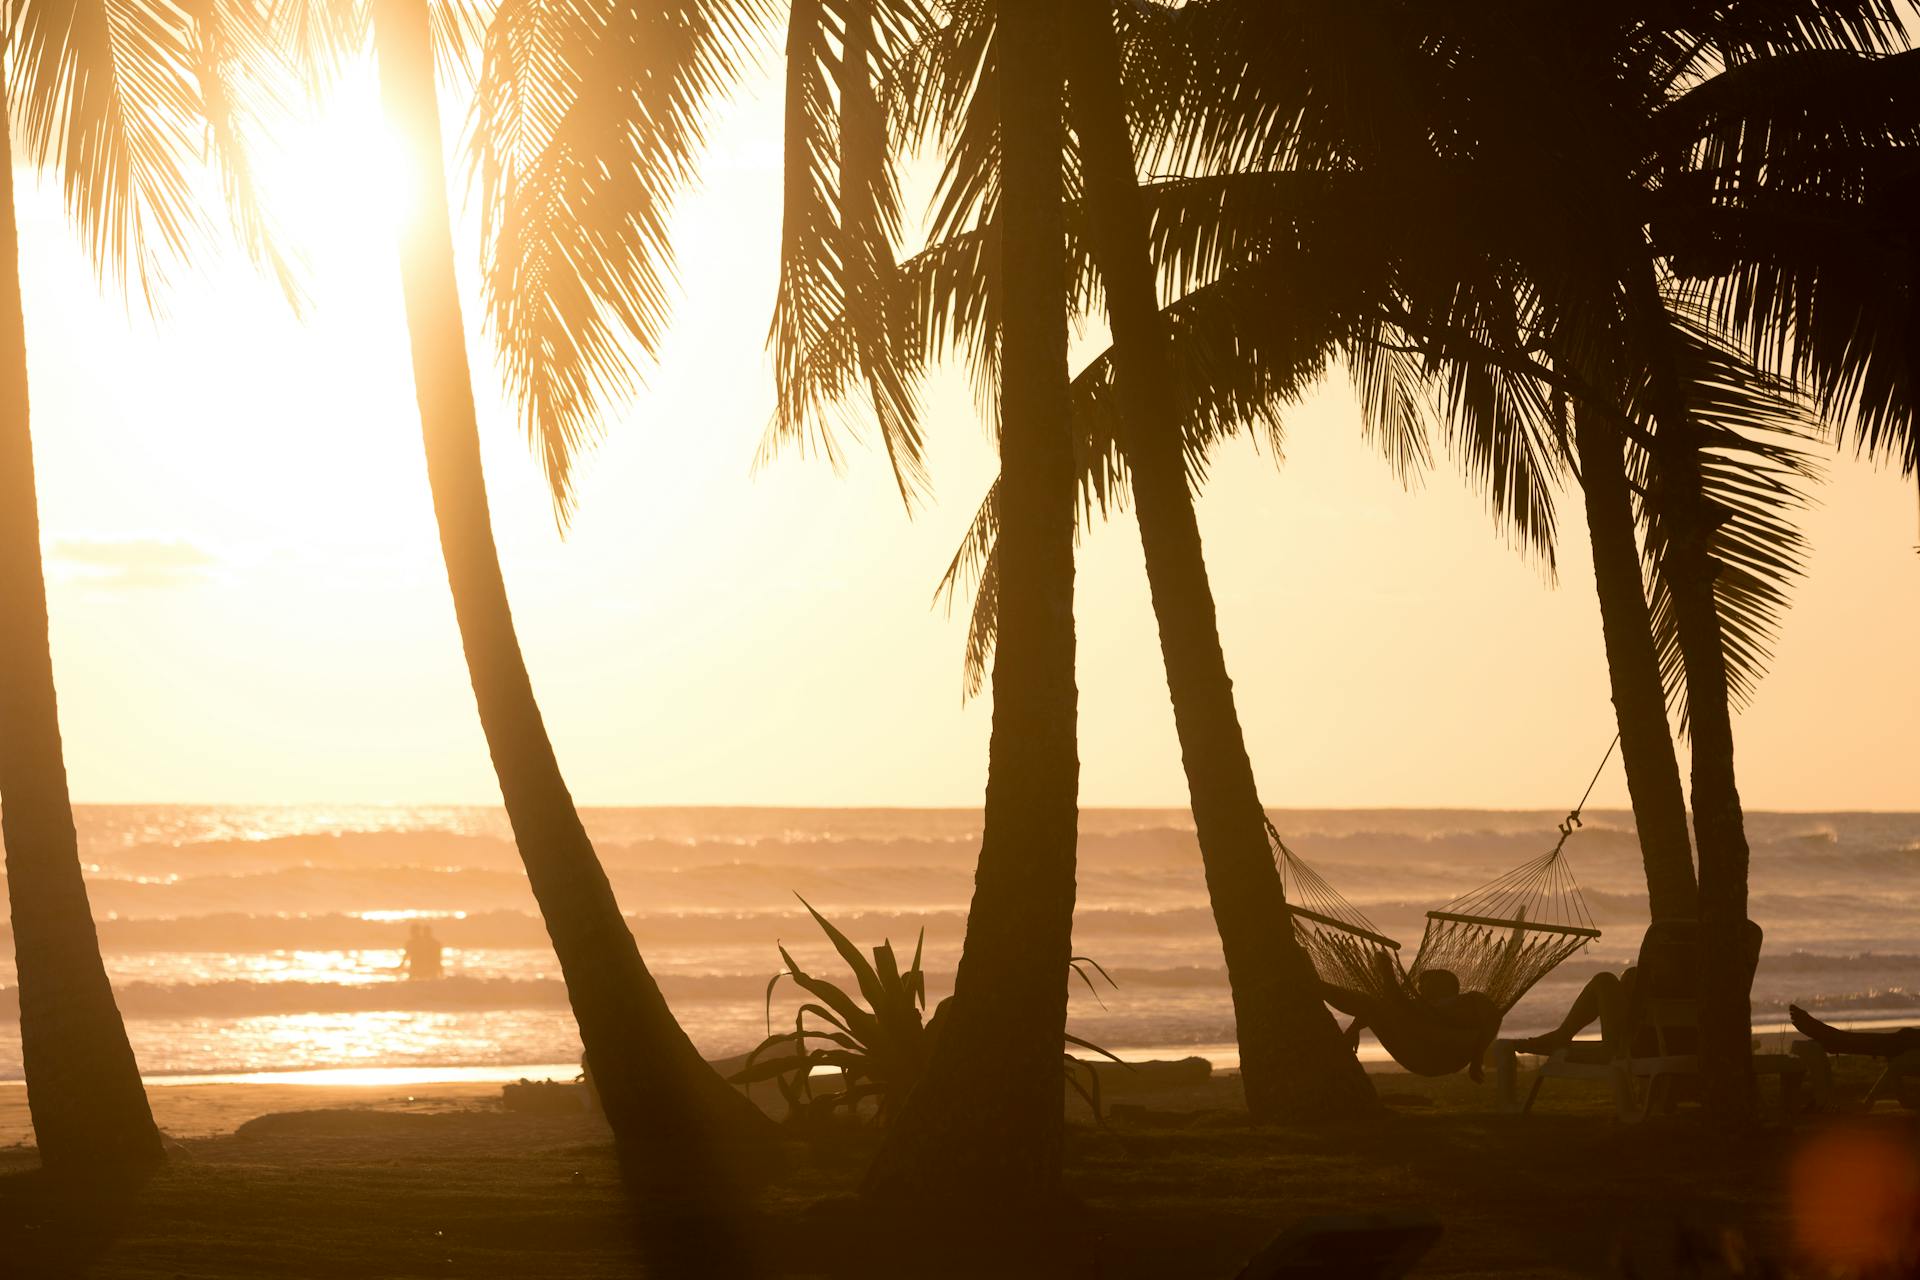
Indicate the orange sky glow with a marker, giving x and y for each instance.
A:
(249, 604)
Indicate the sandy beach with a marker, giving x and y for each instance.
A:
(439, 1179)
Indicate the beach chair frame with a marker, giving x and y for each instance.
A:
(1819, 1071)
(1644, 1084)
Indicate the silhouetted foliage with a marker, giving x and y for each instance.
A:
(879, 1050)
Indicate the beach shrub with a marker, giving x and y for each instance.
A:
(880, 1042)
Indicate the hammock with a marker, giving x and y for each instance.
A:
(1498, 940)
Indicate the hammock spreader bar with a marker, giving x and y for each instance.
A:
(1532, 926)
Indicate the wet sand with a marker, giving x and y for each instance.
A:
(189, 1111)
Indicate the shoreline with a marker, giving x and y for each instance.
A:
(206, 1106)
(1224, 1057)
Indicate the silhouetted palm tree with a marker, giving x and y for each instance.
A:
(1294, 1062)
(1633, 672)
(1802, 147)
(850, 322)
(671, 1114)
(590, 231)
(1454, 304)
(82, 1083)
(115, 98)
(1611, 93)
(985, 1123)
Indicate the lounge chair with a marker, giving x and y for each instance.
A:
(1663, 1032)
(1887, 1085)
(1896, 1049)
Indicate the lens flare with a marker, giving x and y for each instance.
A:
(1854, 1191)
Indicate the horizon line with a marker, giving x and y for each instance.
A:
(759, 806)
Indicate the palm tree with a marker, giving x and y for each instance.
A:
(1738, 134)
(985, 1123)
(673, 1117)
(82, 1083)
(1294, 1062)
(1614, 93)
(1810, 174)
(1633, 671)
(850, 322)
(116, 101)
(555, 104)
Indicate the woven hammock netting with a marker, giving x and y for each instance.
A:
(1499, 939)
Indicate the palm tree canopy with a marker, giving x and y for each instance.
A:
(125, 100)
(589, 117)
(1547, 145)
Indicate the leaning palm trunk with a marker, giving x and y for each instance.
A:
(669, 1111)
(1633, 669)
(986, 1122)
(83, 1087)
(1719, 827)
(1294, 1063)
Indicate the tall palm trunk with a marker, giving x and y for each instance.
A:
(1719, 826)
(83, 1086)
(1633, 668)
(1726, 975)
(1294, 1062)
(985, 1123)
(667, 1108)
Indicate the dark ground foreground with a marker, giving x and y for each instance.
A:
(1179, 1185)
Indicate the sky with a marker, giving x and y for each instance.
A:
(249, 604)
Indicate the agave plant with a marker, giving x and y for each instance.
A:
(879, 1048)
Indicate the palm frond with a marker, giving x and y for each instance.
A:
(841, 222)
(1241, 350)
(1393, 387)
(1502, 428)
(237, 69)
(975, 571)
(588, 119)
(319, 36)
(1752, 458)
(105, 92)
(457, 30)
(941, 299)
(1824, 290)
(1782, 120)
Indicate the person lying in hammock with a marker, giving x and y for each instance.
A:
(1867, 1044)
(1434, 1031)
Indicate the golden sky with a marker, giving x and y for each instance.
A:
(249, 604)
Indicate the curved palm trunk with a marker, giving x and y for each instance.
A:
(669, 1111)
(986, 1123)
(1719, 826)
(1294, 1061)
(1633, 669)
(83, 1086)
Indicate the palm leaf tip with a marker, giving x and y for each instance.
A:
(587, 121)
(837, 322)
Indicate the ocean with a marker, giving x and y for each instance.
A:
(247, 940)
